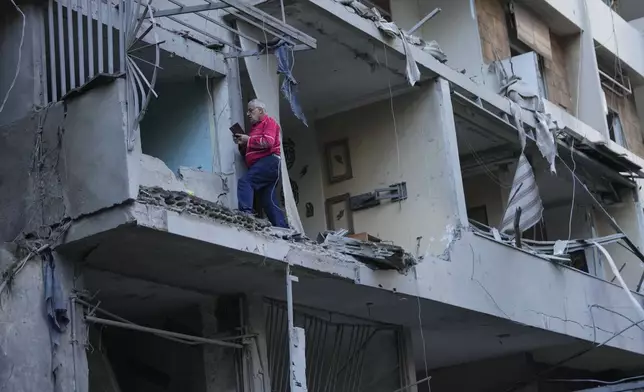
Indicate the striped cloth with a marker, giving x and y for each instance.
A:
(524, 194)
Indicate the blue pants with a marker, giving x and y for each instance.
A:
(262, 177)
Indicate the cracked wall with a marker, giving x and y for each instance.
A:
(28, 362)
(66, 160)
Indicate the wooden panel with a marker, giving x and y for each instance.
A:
(495, 41)
(532, 31)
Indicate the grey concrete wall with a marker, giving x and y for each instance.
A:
(26, 92)
(27, 359)
(65, 162)
(97, 166)
(31, 191)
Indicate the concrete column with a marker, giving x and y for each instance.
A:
(447, 209)
(226, 111)
(585, 86)
(34, 356)
(258, 367)
(219, 362)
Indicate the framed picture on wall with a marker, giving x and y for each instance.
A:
(338, 213)
(338, 161)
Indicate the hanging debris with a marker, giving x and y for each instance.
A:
(378, 255)
(285, 61)
(391, 30)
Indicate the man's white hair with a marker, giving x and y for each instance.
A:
(256, 103)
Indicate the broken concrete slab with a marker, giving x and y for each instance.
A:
(154, 172)
(377, 255)
(205, 185)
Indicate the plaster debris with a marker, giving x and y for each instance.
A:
(377, 255)
(181, 201)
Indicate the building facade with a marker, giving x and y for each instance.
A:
(462, 181)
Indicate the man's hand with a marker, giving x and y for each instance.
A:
(241, 139)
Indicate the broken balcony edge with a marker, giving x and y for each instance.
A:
(375, 255)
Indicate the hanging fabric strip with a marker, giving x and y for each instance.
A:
(525, 195)
(285, 59)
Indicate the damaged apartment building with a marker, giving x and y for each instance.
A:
(462, 181)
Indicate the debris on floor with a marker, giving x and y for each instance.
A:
(560, 250)
(377, 255)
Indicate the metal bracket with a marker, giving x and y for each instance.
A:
(395, 192)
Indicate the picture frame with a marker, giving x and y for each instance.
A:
(338, 213)
(338, 161)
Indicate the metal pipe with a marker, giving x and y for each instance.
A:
(70, 37)
(110, 38)
(61, 50)
(413, 384)
(122, 20)
(90, 39)
(423, 21)
(81, 45)
(156, 331)
(99, 37)
(189, 9)
(52, 53)
(198, 30)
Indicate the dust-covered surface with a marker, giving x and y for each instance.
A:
(380, 256)
(183, 202)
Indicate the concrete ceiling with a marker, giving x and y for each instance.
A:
(557, 23)
(346, 70)
(155, 272)
(630, 9)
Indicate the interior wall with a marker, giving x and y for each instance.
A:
(305, 172)
(420, 149)
(481, 190)
(176, 127)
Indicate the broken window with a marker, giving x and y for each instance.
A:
(615, 129)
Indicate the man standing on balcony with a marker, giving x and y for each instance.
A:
(261, 149)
